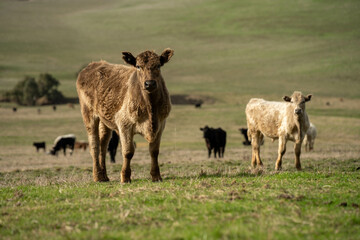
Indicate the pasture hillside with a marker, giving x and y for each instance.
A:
(226, 52)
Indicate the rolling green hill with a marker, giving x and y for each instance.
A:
(230, 48)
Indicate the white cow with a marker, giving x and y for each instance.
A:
(277, 120)
(310, 136)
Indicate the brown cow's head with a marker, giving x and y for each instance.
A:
(148, 66)
(299, 101)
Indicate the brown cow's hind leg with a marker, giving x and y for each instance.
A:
(92, 128)
(105, 134)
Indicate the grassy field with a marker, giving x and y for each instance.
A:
(227, 51)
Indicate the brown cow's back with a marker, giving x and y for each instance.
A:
(103, 87)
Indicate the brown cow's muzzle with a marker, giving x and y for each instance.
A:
(150, 85)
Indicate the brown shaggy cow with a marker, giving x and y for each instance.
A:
(277, 120)
(131, 100)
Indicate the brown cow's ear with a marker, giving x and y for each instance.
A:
(129, 58)
(287, 99)
(166, 55)
(308, 97)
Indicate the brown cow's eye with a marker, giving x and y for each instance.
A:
(138, 67)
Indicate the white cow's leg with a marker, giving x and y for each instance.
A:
(255, 144)
(297, 148)
(281, 152)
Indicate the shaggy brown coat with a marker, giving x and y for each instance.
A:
(277, 120)
(128, 99)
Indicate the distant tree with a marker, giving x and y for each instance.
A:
(46, 82)
(55, 96)
(17, 94)
(29, 92)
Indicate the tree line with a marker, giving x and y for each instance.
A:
(31, 91)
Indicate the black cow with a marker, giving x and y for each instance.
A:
(247, 142)
(215, 139)
(112, 147)
(244, 132)
(39, 145)
(63, 142)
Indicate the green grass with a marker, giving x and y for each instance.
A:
(216, 200)
(229, 51)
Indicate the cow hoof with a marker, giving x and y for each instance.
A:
(278, 168)
(298, 168)
(157, 179)
(101, 179)
(125, 180)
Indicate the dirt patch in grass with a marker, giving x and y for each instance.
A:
(183, 99)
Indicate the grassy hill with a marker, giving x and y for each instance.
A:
(227, 48)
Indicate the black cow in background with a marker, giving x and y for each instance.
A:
(244, 132)
(113, 144)
(39, 145)
(215, 139)
(63, 142)
(247, 142)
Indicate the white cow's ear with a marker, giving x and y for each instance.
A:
(166, 55)
(129, 58)
(287, 99)
(308, 97)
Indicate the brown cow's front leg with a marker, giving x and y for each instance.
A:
(297, 148)
(127, 147)
(154, 153)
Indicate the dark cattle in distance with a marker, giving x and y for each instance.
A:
(247, 142)
(215, 138)
(81, 145)
(39, 145)
(244, 132)
(14, 109)
(113, 144)
(198, 105)
(63, 142)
